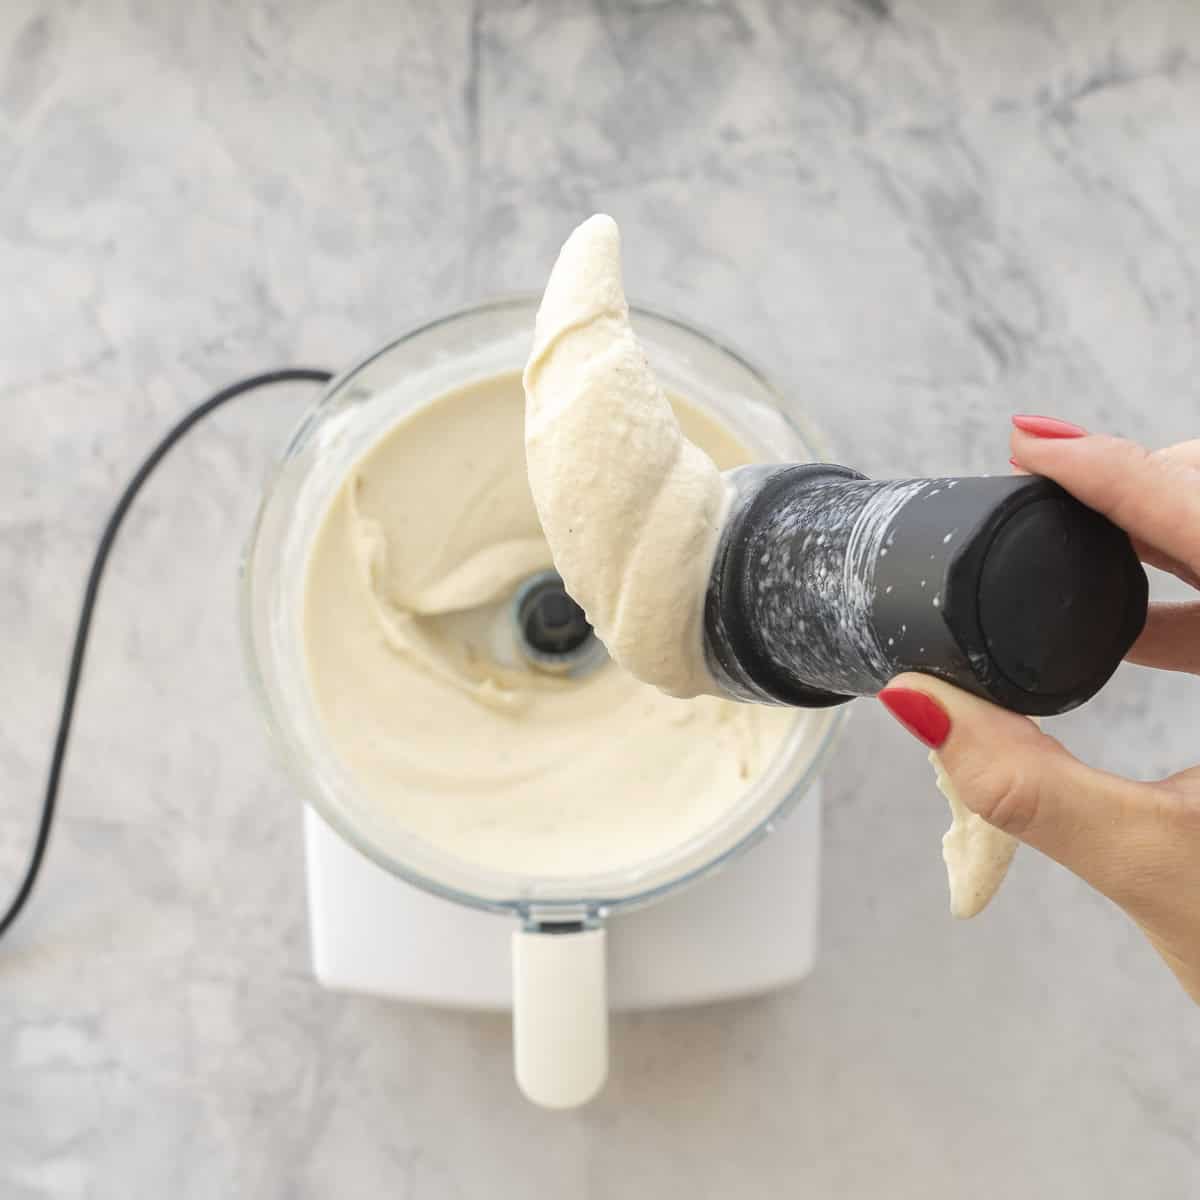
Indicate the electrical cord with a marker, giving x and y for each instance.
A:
(83, 628)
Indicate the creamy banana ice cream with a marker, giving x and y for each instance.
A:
(409, 582)
(632, 509)
(977, 855)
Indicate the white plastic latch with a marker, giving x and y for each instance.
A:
(560, 1015)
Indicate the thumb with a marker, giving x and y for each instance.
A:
(1102, 827)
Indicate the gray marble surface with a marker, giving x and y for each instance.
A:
(918, 216)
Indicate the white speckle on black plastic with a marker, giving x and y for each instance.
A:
(817, 590)
(839, 529)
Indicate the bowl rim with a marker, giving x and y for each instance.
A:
(592, 903)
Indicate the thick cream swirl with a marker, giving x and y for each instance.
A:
(632, 509)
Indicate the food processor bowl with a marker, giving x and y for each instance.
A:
(559, 1011)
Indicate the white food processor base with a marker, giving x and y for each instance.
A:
(748, 929)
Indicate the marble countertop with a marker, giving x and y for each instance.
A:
(918, 216)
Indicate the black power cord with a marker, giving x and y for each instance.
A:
(83, 628)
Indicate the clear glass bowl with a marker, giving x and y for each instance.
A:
(355, 410)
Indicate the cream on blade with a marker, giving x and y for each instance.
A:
(632, 510)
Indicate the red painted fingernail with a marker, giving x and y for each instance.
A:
(1012, 462)
(920, 714)
(1047, 427)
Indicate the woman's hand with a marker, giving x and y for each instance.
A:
(1138, 843)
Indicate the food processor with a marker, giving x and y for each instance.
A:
(394, 914)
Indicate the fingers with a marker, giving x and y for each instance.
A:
(1188, 454)
(1164, 562)
(1185, 453)
(1153, 495)
(1104, 828)
(1171, 639)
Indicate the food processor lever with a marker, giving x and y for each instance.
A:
(827, 584)
(560, 1013)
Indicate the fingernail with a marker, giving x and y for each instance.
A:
(1012, 462)
(920, 714)
(1047, 427)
